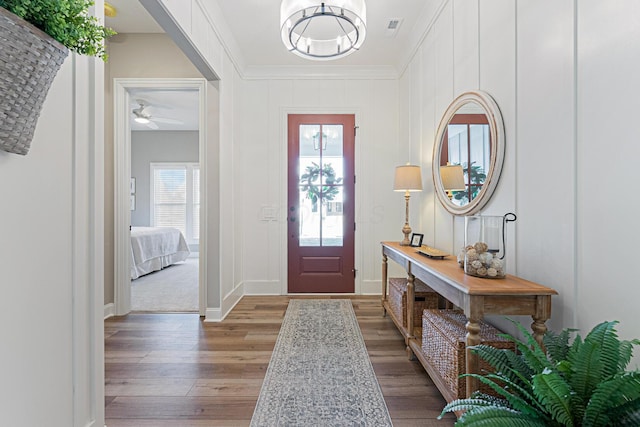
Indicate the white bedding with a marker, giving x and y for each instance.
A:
(154, 248)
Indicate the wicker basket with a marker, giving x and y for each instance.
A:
(29, 61)
(444, 344)
(425, 298)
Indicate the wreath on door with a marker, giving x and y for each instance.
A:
(319, 183)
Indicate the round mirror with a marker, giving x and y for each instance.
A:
(468, 153)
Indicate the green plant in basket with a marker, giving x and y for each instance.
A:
(579, 383)
(67, 21)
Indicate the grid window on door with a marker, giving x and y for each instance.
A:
(175, 197)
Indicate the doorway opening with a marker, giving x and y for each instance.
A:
(160, 195)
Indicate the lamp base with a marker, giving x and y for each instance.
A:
(406, 230)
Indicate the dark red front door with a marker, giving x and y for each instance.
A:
(321, 203)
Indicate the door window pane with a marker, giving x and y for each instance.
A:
(321, 176)
(332, 155)
(309, 177)
(332, 220)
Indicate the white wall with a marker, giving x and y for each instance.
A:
(562, 73)
(134, 56)
(253, 158)
(156, 146)
(379, 211)
(221, 300)
(608, 64)
(51, 363)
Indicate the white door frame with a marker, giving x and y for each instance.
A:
(122, 172)
(284, 190)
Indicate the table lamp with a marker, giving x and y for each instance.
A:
(408, 178)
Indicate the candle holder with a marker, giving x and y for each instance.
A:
(485, 253)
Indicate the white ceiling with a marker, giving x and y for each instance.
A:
(179, 107)
(254, 24)
(131, 17)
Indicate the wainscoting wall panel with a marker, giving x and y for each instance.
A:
(560, 72)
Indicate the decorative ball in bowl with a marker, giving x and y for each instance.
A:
(479, 261)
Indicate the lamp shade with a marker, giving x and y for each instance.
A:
(452, 177)
(408, 178)
(323, 30)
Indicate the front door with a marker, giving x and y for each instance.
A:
(321, 203)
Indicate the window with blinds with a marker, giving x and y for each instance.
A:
(175, 197)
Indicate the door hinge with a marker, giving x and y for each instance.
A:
(355, 272)
(354, 226)
(355, 130)
(354, 179)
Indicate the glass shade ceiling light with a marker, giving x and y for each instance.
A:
(323, 30)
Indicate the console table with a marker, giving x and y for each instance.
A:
(475, 296)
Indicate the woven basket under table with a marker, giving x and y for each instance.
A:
(29, 61)
(444, 344)
(425, 298)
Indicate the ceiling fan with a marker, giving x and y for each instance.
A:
(143, 116)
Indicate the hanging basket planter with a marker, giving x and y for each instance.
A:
(29, 61)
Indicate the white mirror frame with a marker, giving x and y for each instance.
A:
(496, 131)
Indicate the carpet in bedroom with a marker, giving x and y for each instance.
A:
(174, 288)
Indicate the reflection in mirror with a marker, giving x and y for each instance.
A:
(452, 179)
(468, 153)
(467, 145)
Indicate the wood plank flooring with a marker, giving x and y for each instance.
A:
(175, 370)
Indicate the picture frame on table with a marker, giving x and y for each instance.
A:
(416, 240)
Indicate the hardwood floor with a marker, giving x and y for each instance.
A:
(175, 370)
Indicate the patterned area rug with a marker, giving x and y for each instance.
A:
(320, 373)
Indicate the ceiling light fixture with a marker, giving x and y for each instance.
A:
(142, 120)
(323, 30)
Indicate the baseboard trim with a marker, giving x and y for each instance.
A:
(228, 303)
(271, 288)
(263, 287)
(109, 310)
(213, 315)
(371, 287)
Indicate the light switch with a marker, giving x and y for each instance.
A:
(268, 213)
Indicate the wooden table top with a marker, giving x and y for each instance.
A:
(449, 270)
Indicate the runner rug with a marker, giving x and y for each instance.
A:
(320, 373)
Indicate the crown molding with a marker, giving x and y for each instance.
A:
(317, 71)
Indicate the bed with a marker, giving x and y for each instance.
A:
(154, 248)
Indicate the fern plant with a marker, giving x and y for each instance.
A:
(579, 383)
